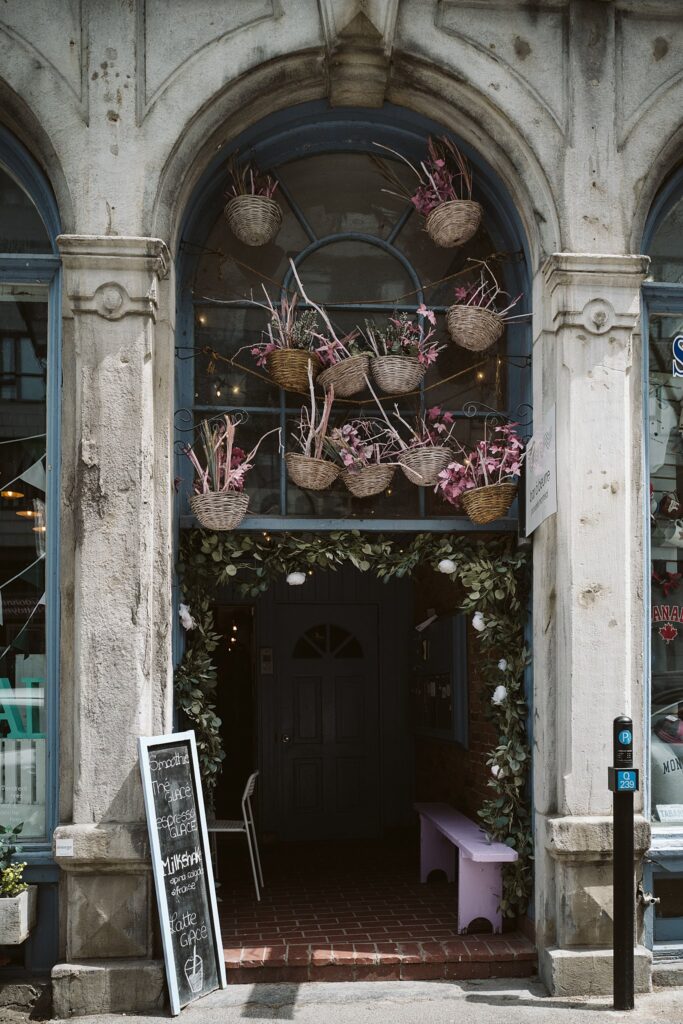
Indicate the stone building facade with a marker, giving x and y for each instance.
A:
(120, 109)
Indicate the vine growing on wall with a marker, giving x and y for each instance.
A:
(492, 578)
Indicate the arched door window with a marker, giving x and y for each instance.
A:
(362, 253)
(29, 499)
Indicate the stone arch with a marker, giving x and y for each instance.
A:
(648, 187)
(259, 95)
(18, 118)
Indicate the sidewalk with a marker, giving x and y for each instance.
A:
(470, 1002)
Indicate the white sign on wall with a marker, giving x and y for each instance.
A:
(541, 474)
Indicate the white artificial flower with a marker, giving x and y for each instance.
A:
(295, 579)
(186, 619)
(478, 621)
(502, 664)
(447, 565)
(495, 770)
(500, 695)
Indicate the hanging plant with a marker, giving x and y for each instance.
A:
(401, 351)
(307, 467)
(484, 483)
(476, 321)
(219, 501)
(442, 194)
(367, 451)
(287, 342)
(492, 578)
(252, 213)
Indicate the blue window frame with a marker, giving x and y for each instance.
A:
(287, 145)
(663, 434)
(30, 354)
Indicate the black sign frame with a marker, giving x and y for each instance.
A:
(184, 744)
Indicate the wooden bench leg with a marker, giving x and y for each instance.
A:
(480, 889)
(436, 852)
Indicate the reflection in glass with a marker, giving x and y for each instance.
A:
(23, 723)
(665, 251)
(21, 228)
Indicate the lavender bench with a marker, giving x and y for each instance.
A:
(479, 862)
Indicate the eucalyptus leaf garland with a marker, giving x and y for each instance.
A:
(493, 581)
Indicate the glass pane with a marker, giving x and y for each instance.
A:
(23, 339)
(350, 271)
(667, 247)
(241, 383)
(21, 228)
(350, 649)
(304, 649)
(341, 192)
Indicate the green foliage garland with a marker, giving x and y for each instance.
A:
(493, 581)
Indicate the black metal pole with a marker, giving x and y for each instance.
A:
(624, 875)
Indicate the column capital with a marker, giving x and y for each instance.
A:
(593, 292)
(113, 276)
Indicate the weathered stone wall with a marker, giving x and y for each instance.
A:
(576, 104)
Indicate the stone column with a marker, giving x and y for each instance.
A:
(116, 624)
(588, 607)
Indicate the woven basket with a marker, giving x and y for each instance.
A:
(423, 465)
(347, 377)
(453, 223)
(288, 368)
(311, 474)
(484, 504)
(220, 510)
(397, 374)
(474, 328)
(369, 480)
(254, 220)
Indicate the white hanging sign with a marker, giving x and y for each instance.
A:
(541, 474)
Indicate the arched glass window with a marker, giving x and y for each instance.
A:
(29, 499)
(363, 254)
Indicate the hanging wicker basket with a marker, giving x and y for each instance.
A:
(423, 465)
(347, 377)
(254, 220)
(369, 480)
(288, 368)
(311, 474)
(484, 504)
(220, 510)
(474, 328)
(453, 223)
(396, 375)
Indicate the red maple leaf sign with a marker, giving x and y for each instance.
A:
(668, 633)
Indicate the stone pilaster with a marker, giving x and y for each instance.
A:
(118, 375)
(588, 610)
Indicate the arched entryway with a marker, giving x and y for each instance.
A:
(363, 254)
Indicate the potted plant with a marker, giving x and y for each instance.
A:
(401, 351)
(253, 215)
(443, 194)
(307, 467)
(18, 901)
(286, 346)
(484, 483)
(475, 322)
(219, 501)
(344, 357)
(367, 451)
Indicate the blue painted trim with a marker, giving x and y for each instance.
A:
(30, 178)
(666, 199)
(289, 524)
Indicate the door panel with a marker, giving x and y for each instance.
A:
(328, 721)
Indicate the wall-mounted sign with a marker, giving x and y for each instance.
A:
(541, 474)
(183, 875)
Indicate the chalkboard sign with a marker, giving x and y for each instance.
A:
(181, 860)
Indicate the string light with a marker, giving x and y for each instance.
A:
(26, 513)
(11, 495)
(202, 319)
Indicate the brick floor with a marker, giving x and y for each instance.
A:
(344, 912)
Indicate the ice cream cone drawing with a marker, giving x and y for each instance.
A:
(194, 971)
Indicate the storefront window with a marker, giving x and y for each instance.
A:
(24, 329)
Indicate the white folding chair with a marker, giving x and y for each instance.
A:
(246, 825)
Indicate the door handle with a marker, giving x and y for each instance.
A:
(285, 738)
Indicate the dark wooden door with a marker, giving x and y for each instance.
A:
(328, 721)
